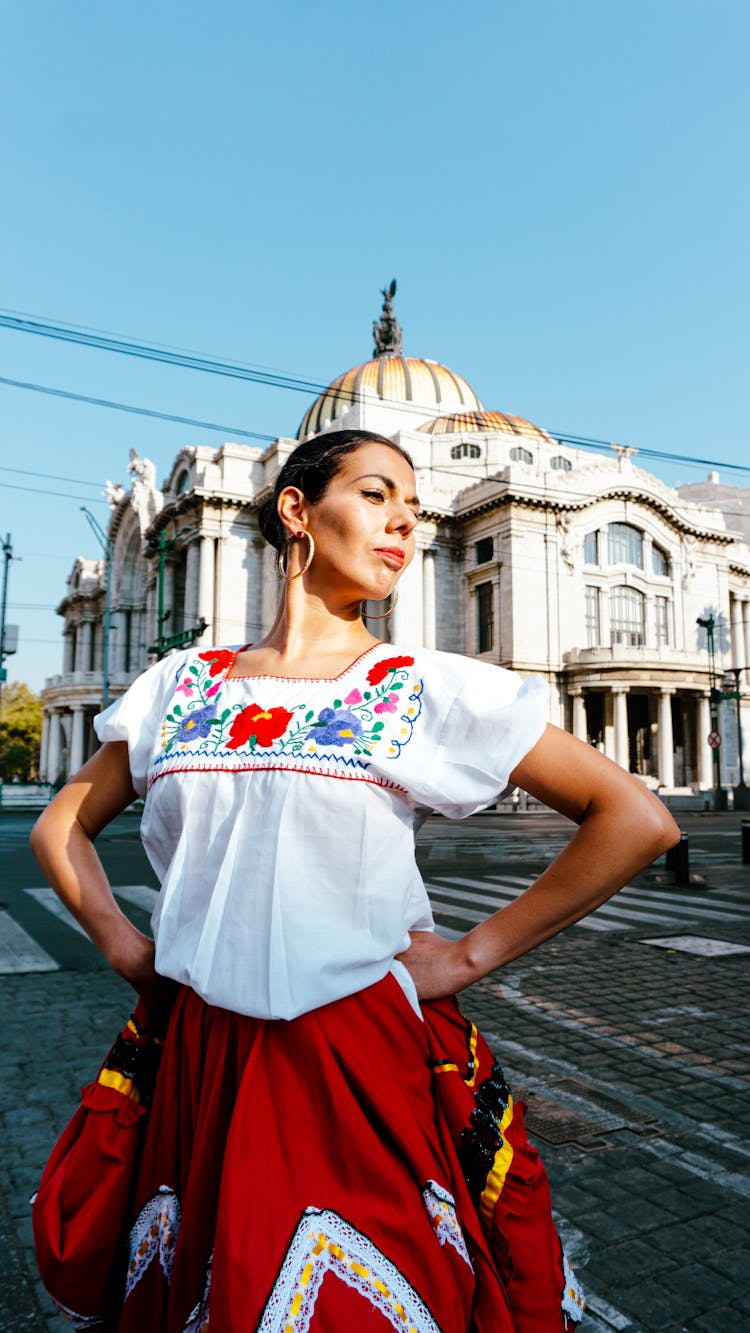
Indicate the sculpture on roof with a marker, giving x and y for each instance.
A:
(387, 330)
(144, 497)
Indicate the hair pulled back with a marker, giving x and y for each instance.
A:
(311, 468)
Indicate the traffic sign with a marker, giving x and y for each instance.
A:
(714, 740)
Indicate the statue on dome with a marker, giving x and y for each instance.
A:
(387, 330)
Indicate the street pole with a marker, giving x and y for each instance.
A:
(7, 557)
(165, 643)
(106, 545)
(708, 623)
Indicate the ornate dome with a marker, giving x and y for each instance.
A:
(393, 378)
(399, 379)
(463, 423)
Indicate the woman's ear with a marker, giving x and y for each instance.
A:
(292, 508)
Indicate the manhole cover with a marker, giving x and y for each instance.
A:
(631, 1116)
(569, 1111)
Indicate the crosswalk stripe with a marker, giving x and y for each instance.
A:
(48, 899)
(610, 911)
(466, 914)
(140, 895)
(19, 952)
(679, 903)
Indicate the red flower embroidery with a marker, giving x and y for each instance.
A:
(221, 660)
(265, 725)
(381, 669)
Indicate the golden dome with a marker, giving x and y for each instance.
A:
(395, 379)
(463, 423)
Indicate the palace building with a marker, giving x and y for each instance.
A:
(530, 553)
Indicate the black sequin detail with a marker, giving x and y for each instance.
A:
(136, 1057)
(482, 1138)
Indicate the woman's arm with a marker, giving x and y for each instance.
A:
(62, 841)
(622, 828)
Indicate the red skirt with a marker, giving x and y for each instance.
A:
(352, 1169)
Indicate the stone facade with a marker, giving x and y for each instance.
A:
(530, 554)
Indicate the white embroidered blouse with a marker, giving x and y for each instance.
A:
(280, 814)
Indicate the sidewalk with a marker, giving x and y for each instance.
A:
(633, 1060)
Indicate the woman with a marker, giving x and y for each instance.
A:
(331, 1145)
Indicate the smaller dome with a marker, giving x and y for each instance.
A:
(462, 423)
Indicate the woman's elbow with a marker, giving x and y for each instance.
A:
(657, 826)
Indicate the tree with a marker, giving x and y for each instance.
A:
(20, 733)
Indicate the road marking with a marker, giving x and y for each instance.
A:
(48, 899)
(140, 895)
(19, 952)
(496, 901)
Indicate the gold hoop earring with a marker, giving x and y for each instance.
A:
(295, 536)
(382, 614)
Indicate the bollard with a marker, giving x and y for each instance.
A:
(678, 859)
(746, 841)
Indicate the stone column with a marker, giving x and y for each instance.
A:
(705, 755)
(43, 746)
(76, 739)
(746, 629)
(622, 748)
(738, 635)
(579, 715)
(191, 588)
(206, 585)
(398, 622)
(52, 760)
(68, 651)
(666, 741)
(271, 586)
(429, 609)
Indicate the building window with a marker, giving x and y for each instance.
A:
(466, 450)
(485, 617)
(181, 484)
(591, 548)
(624, 545)
(561, 464)
(627, 616)
(593, 618)
(660, 560)
(663, 617)
(484, 550)
(519, 455)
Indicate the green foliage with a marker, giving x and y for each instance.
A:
(20, 733)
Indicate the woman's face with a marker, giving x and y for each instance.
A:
(363, 527)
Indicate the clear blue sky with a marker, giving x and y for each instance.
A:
(561, 190)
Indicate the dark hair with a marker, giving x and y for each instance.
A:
(311, 468)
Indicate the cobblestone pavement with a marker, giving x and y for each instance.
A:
(632, 1058)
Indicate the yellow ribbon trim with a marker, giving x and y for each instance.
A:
(448, 1068)
(500, 1167)
(111, 1079)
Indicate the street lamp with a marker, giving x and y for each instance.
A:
(166, 642)
(708, 624)
(106, 545)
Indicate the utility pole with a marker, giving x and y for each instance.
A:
(106, 545)
(7, 557)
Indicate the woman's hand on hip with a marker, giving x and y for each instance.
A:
(133, 959)
(437, 967)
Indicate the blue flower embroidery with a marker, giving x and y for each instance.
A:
(336, 726)
(196, 725)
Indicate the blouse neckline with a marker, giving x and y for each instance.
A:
(306, 680)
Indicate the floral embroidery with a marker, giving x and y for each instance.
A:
(254, 726)
(366, 722)
(336, 726)
(381, 669)
(196, 725)
(220, 659)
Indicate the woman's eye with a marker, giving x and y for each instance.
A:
(374, 495)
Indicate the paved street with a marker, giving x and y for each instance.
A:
(632, 1057)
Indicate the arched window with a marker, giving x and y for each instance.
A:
(627, 619)
(181, 483)
(519, 455)
(624, 545)
(660, 560)
(591, 548)
(466, 450)
(561, 464)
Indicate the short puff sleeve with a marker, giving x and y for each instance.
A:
(136, 716)
(492, 718)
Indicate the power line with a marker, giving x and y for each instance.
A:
(62, 495)
(138, 411)
(51, 476)
(236, 370)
